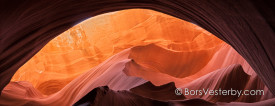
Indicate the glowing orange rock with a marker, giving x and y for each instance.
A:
(91, 42)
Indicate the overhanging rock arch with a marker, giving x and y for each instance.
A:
(248, 26)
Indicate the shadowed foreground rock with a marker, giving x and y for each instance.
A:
(103, 96)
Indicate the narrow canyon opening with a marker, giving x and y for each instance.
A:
(160, 48)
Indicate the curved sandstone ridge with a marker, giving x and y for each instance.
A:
(148, 94)
(126, 89)
(28, 25)
(224, 57)
(107, 73)
(174, 63)
(94, 40)
(247, 25)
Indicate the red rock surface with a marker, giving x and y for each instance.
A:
(195, 59)
(91, 42)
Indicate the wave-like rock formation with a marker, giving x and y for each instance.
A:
(171, 62)
(130, 90)
(148, 94)
(91, 42)
(140, 60)
(248, 26)
(109, 73)
(224, 57)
